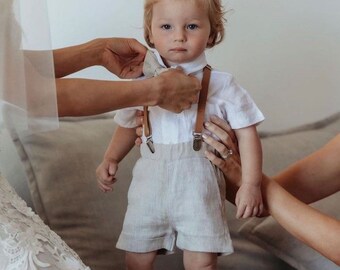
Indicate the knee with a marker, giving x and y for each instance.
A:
(139, 261)
(200, 261)
(201, 266)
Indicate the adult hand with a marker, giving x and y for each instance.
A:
(230, 166)
(177, 91)
(139, 128)
(124, 57)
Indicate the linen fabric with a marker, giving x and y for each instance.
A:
(176, 196)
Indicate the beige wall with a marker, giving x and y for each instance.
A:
(285, 52)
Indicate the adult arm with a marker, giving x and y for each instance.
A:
(304, 222)
(316, 176)
(121, 56)
(172, 90)
(309, 225)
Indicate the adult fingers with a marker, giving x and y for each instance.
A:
(138, 141)
(136, 46)
(223, 131)
(218, 146)
(224, 125)
(139, 131)
(214, 159)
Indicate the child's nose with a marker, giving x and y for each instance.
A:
(180, 35)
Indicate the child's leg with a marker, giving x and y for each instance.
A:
(140, 261)
(199, 260)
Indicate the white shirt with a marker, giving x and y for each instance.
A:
(226, 99)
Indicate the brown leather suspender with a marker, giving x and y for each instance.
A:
(197, 133)
(147, 130)
(201, 108)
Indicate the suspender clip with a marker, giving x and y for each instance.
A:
(197, 141)
(149, 143)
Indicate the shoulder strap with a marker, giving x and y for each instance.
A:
(147, 129)
(201, 108)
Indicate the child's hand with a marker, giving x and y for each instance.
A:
(106, 172)
(249, 201)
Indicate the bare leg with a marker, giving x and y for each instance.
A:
(199, 260)
(140, 261)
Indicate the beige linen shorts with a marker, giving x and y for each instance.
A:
(176, 197)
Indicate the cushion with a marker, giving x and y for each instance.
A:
(11, 167)
(266, 232)
(61, 168)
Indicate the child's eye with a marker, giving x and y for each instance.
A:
(166, 26)
(192, 26)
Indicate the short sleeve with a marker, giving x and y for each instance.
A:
(241, 110)
(127, 117)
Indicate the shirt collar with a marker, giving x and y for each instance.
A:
(189, 68)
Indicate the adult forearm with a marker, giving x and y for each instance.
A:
(302, 221)
(82, 97)
(72, 59)
(320, 169)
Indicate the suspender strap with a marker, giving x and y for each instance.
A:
(197, 133)
(147, 130)
(201, 108)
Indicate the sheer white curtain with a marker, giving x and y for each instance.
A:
(28, 105)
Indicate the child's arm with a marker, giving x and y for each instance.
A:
(121, 143)
(248, 198)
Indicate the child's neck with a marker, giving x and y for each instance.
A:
(188, 67)
(171, 64)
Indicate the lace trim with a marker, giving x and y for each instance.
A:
(26, 243)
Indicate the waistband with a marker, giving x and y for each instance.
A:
(173, 151)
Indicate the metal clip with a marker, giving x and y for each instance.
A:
(149, 143)
(197, 141)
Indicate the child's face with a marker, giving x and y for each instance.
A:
(180, 30)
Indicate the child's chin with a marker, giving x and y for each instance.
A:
(180, 60)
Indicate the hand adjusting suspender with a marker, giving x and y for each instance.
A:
(197, 133)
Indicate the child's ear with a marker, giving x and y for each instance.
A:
(210, 41)
(151, 38)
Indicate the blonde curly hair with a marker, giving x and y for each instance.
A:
(216, 18)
